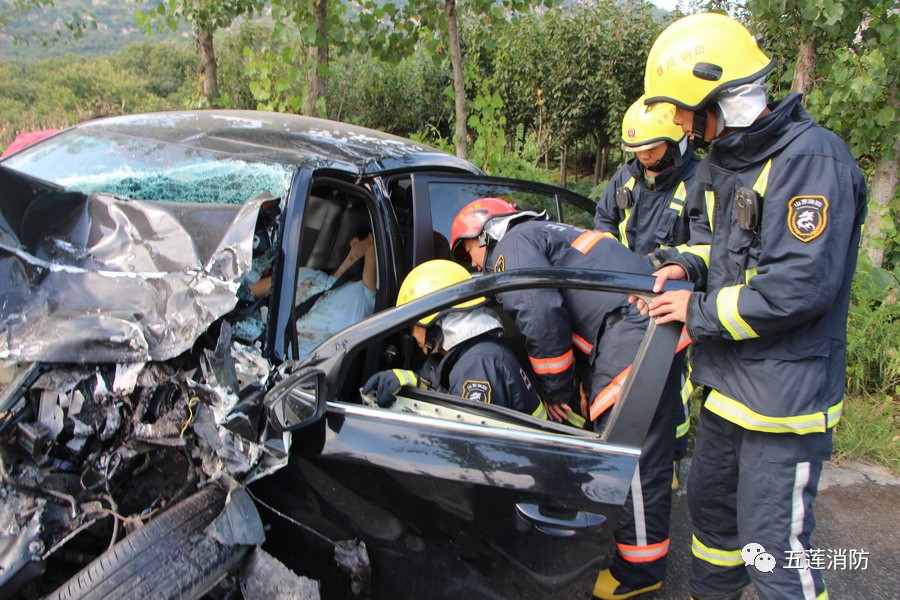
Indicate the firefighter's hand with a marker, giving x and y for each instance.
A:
(662, 276)
(386, 384)
(671, 306)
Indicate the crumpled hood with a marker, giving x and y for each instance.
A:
(752, 145)
(94, 278)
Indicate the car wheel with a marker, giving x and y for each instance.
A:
(170, 557)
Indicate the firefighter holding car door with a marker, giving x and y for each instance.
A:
(465, 357)
(775, 249)
(597, 333)
(644, 204)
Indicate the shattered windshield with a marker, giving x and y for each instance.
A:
(142, 169)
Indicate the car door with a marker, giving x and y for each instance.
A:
(438, 198)
(454, 497)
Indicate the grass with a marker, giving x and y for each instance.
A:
(869, 430)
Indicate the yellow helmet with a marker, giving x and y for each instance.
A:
(432, 276)
(645, 127)
(698, 56)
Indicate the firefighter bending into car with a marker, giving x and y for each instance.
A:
(645, 204)
(597, 333)
(775, 248)
(465, 357)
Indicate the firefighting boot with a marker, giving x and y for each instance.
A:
(608, 588)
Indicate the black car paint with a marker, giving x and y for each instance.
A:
(523, 512)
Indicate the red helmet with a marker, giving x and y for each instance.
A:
(470, 220)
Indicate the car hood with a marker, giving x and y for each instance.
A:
(95, 278)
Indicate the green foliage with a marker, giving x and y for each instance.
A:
(61, 91)
(401, 98)
(873, 333)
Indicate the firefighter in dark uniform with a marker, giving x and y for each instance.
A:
(465, 358)
(597, 333)
(776, 248)
(644, 204)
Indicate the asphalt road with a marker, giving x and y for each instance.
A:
(857, 509)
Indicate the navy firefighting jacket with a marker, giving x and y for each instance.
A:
(658, 218)
(484, 370)
(601, 326)
(772, 320)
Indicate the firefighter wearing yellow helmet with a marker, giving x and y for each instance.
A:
(464, 355)
(645, 207)
(772, 254)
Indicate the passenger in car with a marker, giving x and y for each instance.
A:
(328, 303)
(597, 333)
(465, 358)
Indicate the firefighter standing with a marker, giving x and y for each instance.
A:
(598, 331)
(774, 256)
(465, 358)
(644, 205)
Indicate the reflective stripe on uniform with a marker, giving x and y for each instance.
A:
(582, 344)
(405, 377)
(587, 240)
(732, 410)
(608, 396)
(540, 412)
(683, 341)
(727, 307)
(573, 418)
(798, 517)
(648, 553)
(701, 250)
(762, 182)
(677, 203)
(553, 365)
(710, 198)
(626, 215)
(715, 556)
(749, 274)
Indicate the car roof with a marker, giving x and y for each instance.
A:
(281, 137)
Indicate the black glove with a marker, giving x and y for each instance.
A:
(387, 384)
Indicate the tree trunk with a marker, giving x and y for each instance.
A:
(207, 69)
(807, 57)
(318, 56)
(603, 163)
(598, 158)
(884, 182)
(564, 165)
(459, 84)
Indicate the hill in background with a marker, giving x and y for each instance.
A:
(116, 29)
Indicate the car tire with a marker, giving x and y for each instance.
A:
(170, 557)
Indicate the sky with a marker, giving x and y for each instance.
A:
(666, 4)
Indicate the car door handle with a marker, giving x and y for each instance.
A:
(562, 523)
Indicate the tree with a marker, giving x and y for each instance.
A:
(574, 72)
(205, 18)
(846, 65)
(73, 26)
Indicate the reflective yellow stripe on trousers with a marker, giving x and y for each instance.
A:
(715, 556)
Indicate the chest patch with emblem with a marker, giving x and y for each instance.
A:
(479, 391)
(499, 264)
(807, 217)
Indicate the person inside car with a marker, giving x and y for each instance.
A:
(465, 357)
(597, 333)
(328, 303)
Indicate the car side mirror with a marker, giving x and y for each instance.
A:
(296, 401)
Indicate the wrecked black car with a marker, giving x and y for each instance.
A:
(163, 431)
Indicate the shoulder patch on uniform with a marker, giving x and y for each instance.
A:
(479, 391)
(500, 264)
(807, 217)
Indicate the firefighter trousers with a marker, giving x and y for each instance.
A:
(751, 497)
